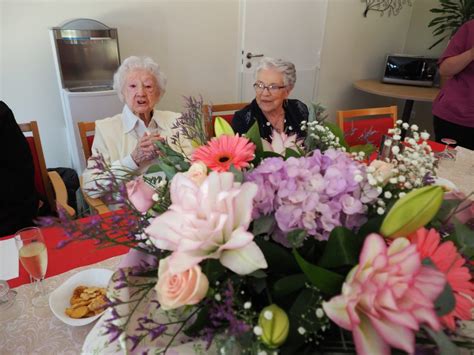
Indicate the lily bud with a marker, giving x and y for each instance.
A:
(275, 326)
(221, 126)
(412, 211)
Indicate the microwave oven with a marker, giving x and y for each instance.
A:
(410, 70)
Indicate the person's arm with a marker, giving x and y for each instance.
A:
(455, 64)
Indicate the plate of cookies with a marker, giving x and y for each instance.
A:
(82, 298)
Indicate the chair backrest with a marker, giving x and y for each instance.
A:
(226, 111)
(42, 182)
(86, 131)
(368, 125)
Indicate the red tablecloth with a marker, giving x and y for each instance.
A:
(73, 255)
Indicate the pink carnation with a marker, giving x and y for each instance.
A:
(386, 297)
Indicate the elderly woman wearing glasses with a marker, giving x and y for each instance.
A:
(127, 140)
(271, 107)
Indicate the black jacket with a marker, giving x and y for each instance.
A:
(295, 112)
(18, 197)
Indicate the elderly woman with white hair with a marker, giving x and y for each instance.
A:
(127, 140)
(271, 108)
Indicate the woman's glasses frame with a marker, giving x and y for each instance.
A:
(272, 88)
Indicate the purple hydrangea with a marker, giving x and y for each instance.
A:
(315, 193)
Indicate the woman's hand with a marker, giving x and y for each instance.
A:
(146, 149)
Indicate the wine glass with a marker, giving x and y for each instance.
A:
(34, 258)
(447, 157)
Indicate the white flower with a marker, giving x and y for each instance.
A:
(247, 305)
(399, 122)
(358, 178)
(319, 313)
(395, 149)
(209, 221)
(218, 297)
(402, 178)
(405, 125)
(268, 315)
(257, 330)
(425, 136)
(380, 211)
(387, 194)
(155, 197)
(393, 180)
(401, 194)
(397, 137)
(414, 127)
(301, 330)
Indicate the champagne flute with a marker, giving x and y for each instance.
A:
(34, 258)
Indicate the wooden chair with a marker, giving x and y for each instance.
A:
(368, 125)
(225, 111)
(47, 183)
(86, 132)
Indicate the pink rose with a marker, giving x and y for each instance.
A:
(185, 288)
(197, 173)
(140, 194)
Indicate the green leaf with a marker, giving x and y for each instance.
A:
(169, 171)
(464, 239)
(368, 149)
(327, 281)
(371, 226)
(279, 259)
(258, 274)
(337, 131)
(268, 154)
(254, 135)
(445, 302)
(342, 249)
(213, 269)
(199, 323)
(296, 237)
(238, 174)
(445, 346)
(221, 126)
(289, 284)
(291, 153)
(263, 225)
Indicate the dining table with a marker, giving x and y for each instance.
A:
(25, 329)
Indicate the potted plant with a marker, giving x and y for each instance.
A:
(452, 14)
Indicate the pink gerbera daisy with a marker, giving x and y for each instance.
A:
(222, 152)
(447, 259)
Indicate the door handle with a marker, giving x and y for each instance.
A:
(250, 55)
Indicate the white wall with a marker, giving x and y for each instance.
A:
(194, 41)
(355, 48)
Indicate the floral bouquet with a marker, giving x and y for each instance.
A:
(259, 247)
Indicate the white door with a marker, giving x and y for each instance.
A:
(289, 29)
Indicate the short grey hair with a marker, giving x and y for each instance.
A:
(286, 68)
(144, 63)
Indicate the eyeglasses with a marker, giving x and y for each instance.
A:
(272, 88)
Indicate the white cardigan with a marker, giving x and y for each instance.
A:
(116, 137)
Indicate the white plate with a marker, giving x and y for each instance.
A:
(59, 298)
